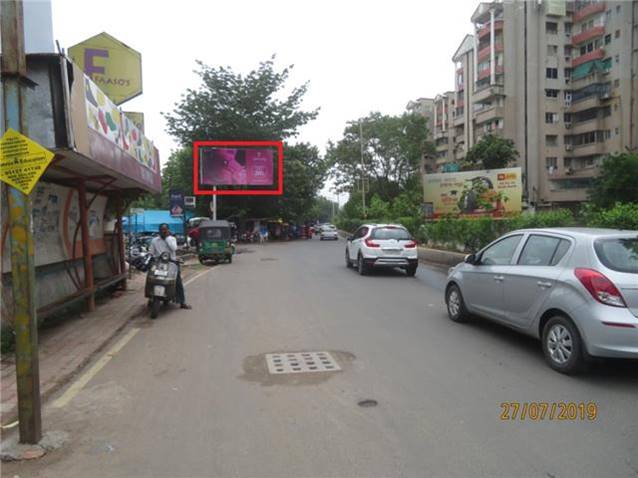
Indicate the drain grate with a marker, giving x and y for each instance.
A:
(301, 362)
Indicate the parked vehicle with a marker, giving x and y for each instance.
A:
(161, 280)
(215, 242)
(382, 245)
(575, 289)
(328, 232)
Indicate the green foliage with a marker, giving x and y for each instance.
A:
(393, 147)
(620, 216)
(491, 152)
(617, 181)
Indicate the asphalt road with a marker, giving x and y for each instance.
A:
(190, 396)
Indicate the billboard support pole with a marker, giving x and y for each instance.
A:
(214, 204)
(14, 77)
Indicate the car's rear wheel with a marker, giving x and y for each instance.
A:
(361, 267)
(410, 271)
(456, 309)
(562, 345)
(348, 261)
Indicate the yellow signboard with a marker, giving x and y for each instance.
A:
(22, 161)
(113, 66)
(495, 193)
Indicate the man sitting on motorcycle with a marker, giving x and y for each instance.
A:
(165, 242)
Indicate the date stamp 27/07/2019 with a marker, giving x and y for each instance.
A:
(553, 411)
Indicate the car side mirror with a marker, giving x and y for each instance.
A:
(471, 259)
(350, 238)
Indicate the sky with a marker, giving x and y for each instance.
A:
(359, 56)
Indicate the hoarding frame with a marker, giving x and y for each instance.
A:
(239, 192)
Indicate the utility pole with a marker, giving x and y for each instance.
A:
(14, 77)
(363, 174)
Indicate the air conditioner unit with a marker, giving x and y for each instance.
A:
(568, 147)
(605, 96)
(569, 171)
(568, 126)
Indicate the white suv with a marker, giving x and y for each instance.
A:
(382, 245)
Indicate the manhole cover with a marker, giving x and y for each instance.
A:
(301, 362)
(264, 259)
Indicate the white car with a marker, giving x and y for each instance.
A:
(382, 245)
(328, 231)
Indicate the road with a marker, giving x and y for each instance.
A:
(190, 396)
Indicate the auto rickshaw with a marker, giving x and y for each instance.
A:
(215, 242)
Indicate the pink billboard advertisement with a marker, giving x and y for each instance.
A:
(237, 167)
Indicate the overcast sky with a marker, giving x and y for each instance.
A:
(358, 56)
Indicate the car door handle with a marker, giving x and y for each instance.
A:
(544, 285)
(499, 278)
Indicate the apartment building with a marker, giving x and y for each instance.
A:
(559, 79)
(425, 108)
(443, 131)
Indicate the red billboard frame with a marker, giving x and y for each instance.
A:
(239, 192)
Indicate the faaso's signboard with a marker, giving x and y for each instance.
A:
(113, 66)
(495, 193)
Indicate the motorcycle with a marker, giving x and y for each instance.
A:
(161, 280)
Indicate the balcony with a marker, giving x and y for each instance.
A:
(593, 101)
(591, 149)
(588, 11)
(569, 173)
(485, 73)
(485, 30)
(485, 52)
(487, 93)
(592, 55)
(488, 114)
(588, 35)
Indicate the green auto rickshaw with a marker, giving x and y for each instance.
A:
(215, 242)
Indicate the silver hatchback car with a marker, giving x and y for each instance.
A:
(576, 289)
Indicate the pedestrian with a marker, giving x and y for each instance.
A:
(166, 242)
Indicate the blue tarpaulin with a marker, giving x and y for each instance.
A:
(151, 219)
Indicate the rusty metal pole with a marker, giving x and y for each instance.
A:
(86, 245)
(120, 239)
(14, 76)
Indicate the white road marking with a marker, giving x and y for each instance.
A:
(75, 388)
(198, 276)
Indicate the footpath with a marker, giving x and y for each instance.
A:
(65, 348)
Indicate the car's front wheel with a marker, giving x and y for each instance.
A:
(562, 345)
(455, 305)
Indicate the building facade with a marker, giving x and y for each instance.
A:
(558, 78)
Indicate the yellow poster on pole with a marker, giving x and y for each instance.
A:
(22, 161)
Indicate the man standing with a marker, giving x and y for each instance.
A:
(165, 242)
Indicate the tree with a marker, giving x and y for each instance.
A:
(232, 106)
(491, 152)
(617, 181)
(393, 148)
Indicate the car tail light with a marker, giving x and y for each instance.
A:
(600, 287)
(371, 243)
(410, 245)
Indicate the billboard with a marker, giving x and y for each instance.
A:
(176, 203)
(115, 67)
(495, 193)
(237, 166)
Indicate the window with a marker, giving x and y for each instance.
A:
(607, 39)
(607, 15)
(561, 250)
(618, 9)
(568, 29)
(539, 250)
(616, 83)
(617, 131)
(618, 254)
(551, 118)
(397, 233)
(551, 163)
(617, 35)
(567, 117)
(567, 50)
(568, 74)
(551, 73)
(502, 252)
(552, 50)
(551, 28)
(617, 58)
(551, 140)
(549, 93)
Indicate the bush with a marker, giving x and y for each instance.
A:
(621, 216)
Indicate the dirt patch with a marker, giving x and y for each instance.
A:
(256, 370)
